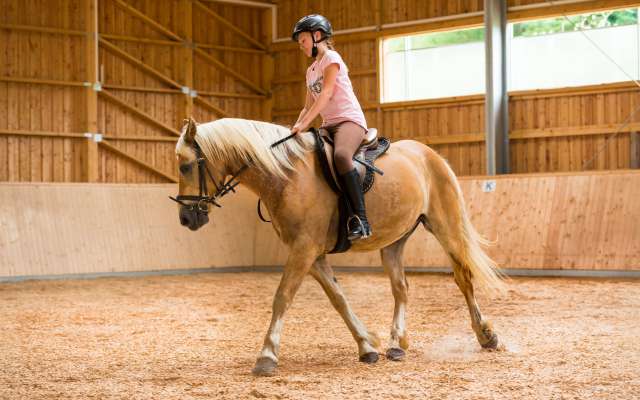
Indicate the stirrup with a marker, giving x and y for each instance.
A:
(358, 232)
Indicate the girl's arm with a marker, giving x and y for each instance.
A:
(308, 103)
(328, 85)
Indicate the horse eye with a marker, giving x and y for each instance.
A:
(185, 169)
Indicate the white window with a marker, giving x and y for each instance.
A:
(541, 54)
(433, 65)
(553, 53)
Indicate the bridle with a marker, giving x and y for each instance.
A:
(199, 203)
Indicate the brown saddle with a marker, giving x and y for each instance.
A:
(371, 148)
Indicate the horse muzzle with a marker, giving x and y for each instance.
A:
(193, 217)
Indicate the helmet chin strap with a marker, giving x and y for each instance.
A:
(314, 49)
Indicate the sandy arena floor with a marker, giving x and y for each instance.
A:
(197, 336)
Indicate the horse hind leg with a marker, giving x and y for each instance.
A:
(392, 263)
(448, 221)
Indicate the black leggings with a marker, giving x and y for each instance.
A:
(347, 138)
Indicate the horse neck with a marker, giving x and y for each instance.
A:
(266, 186)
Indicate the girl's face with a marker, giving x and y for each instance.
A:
(305, 42)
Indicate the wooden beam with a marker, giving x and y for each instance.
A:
(229, 48)
(212, 107)
(41, 81)
(573, 131)
(126, 38)
(138, 112)
(229, 25)
(117, 50)
(187, 60)
(43, 29)
(142, 89)
(267, 66)
(230, 71)
(157, 26)
(522, 13)
(141, 138)
(133, 159)
(89, 156)
(234, 95)
(62, 135)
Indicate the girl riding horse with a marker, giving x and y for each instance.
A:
(330, 94)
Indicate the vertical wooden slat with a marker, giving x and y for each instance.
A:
(187, 67)
(267, 65)
(634, 153)
(89, 152)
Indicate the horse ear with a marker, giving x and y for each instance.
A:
(190, 132)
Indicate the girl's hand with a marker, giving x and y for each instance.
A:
(299, 127)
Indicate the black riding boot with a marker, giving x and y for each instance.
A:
(358, 225)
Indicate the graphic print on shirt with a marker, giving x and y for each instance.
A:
(316, 87)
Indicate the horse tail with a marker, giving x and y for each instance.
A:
(449, 221)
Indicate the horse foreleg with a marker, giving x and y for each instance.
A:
(367, 342)
(392, 263)
(295, 269)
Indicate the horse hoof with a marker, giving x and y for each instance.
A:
(395, 354)
(492, 344)
(369, 358)
(264, 367)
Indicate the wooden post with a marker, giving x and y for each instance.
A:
(188, 60)
(267, 65)
(634, 159)
(89, 156)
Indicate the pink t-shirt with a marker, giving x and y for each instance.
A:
(343, 105)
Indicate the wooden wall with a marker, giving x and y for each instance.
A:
(152, 64)
(61, 228)
(58, 83)
(581, 221)
(569, 129)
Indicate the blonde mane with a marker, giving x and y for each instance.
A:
(247, 141)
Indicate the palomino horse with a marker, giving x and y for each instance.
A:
(418, 187)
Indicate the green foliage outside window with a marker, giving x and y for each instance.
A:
(524, 29)
(576, 23)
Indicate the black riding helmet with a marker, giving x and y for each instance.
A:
(312, 23)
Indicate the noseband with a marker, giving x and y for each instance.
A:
(200, 202)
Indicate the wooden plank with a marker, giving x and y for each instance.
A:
(138, 112)
(211, 107)
(268, 66)
(142, 89)
(232, 49)
(89, 159)
(230, 71)
(42, 29)
(232, 95)
(138, 14)
(229, 25)
(634, 150)
(133, 60)
(52, 82)
(135, 160)
(187, 59)
(127, 38)
(516, 15)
